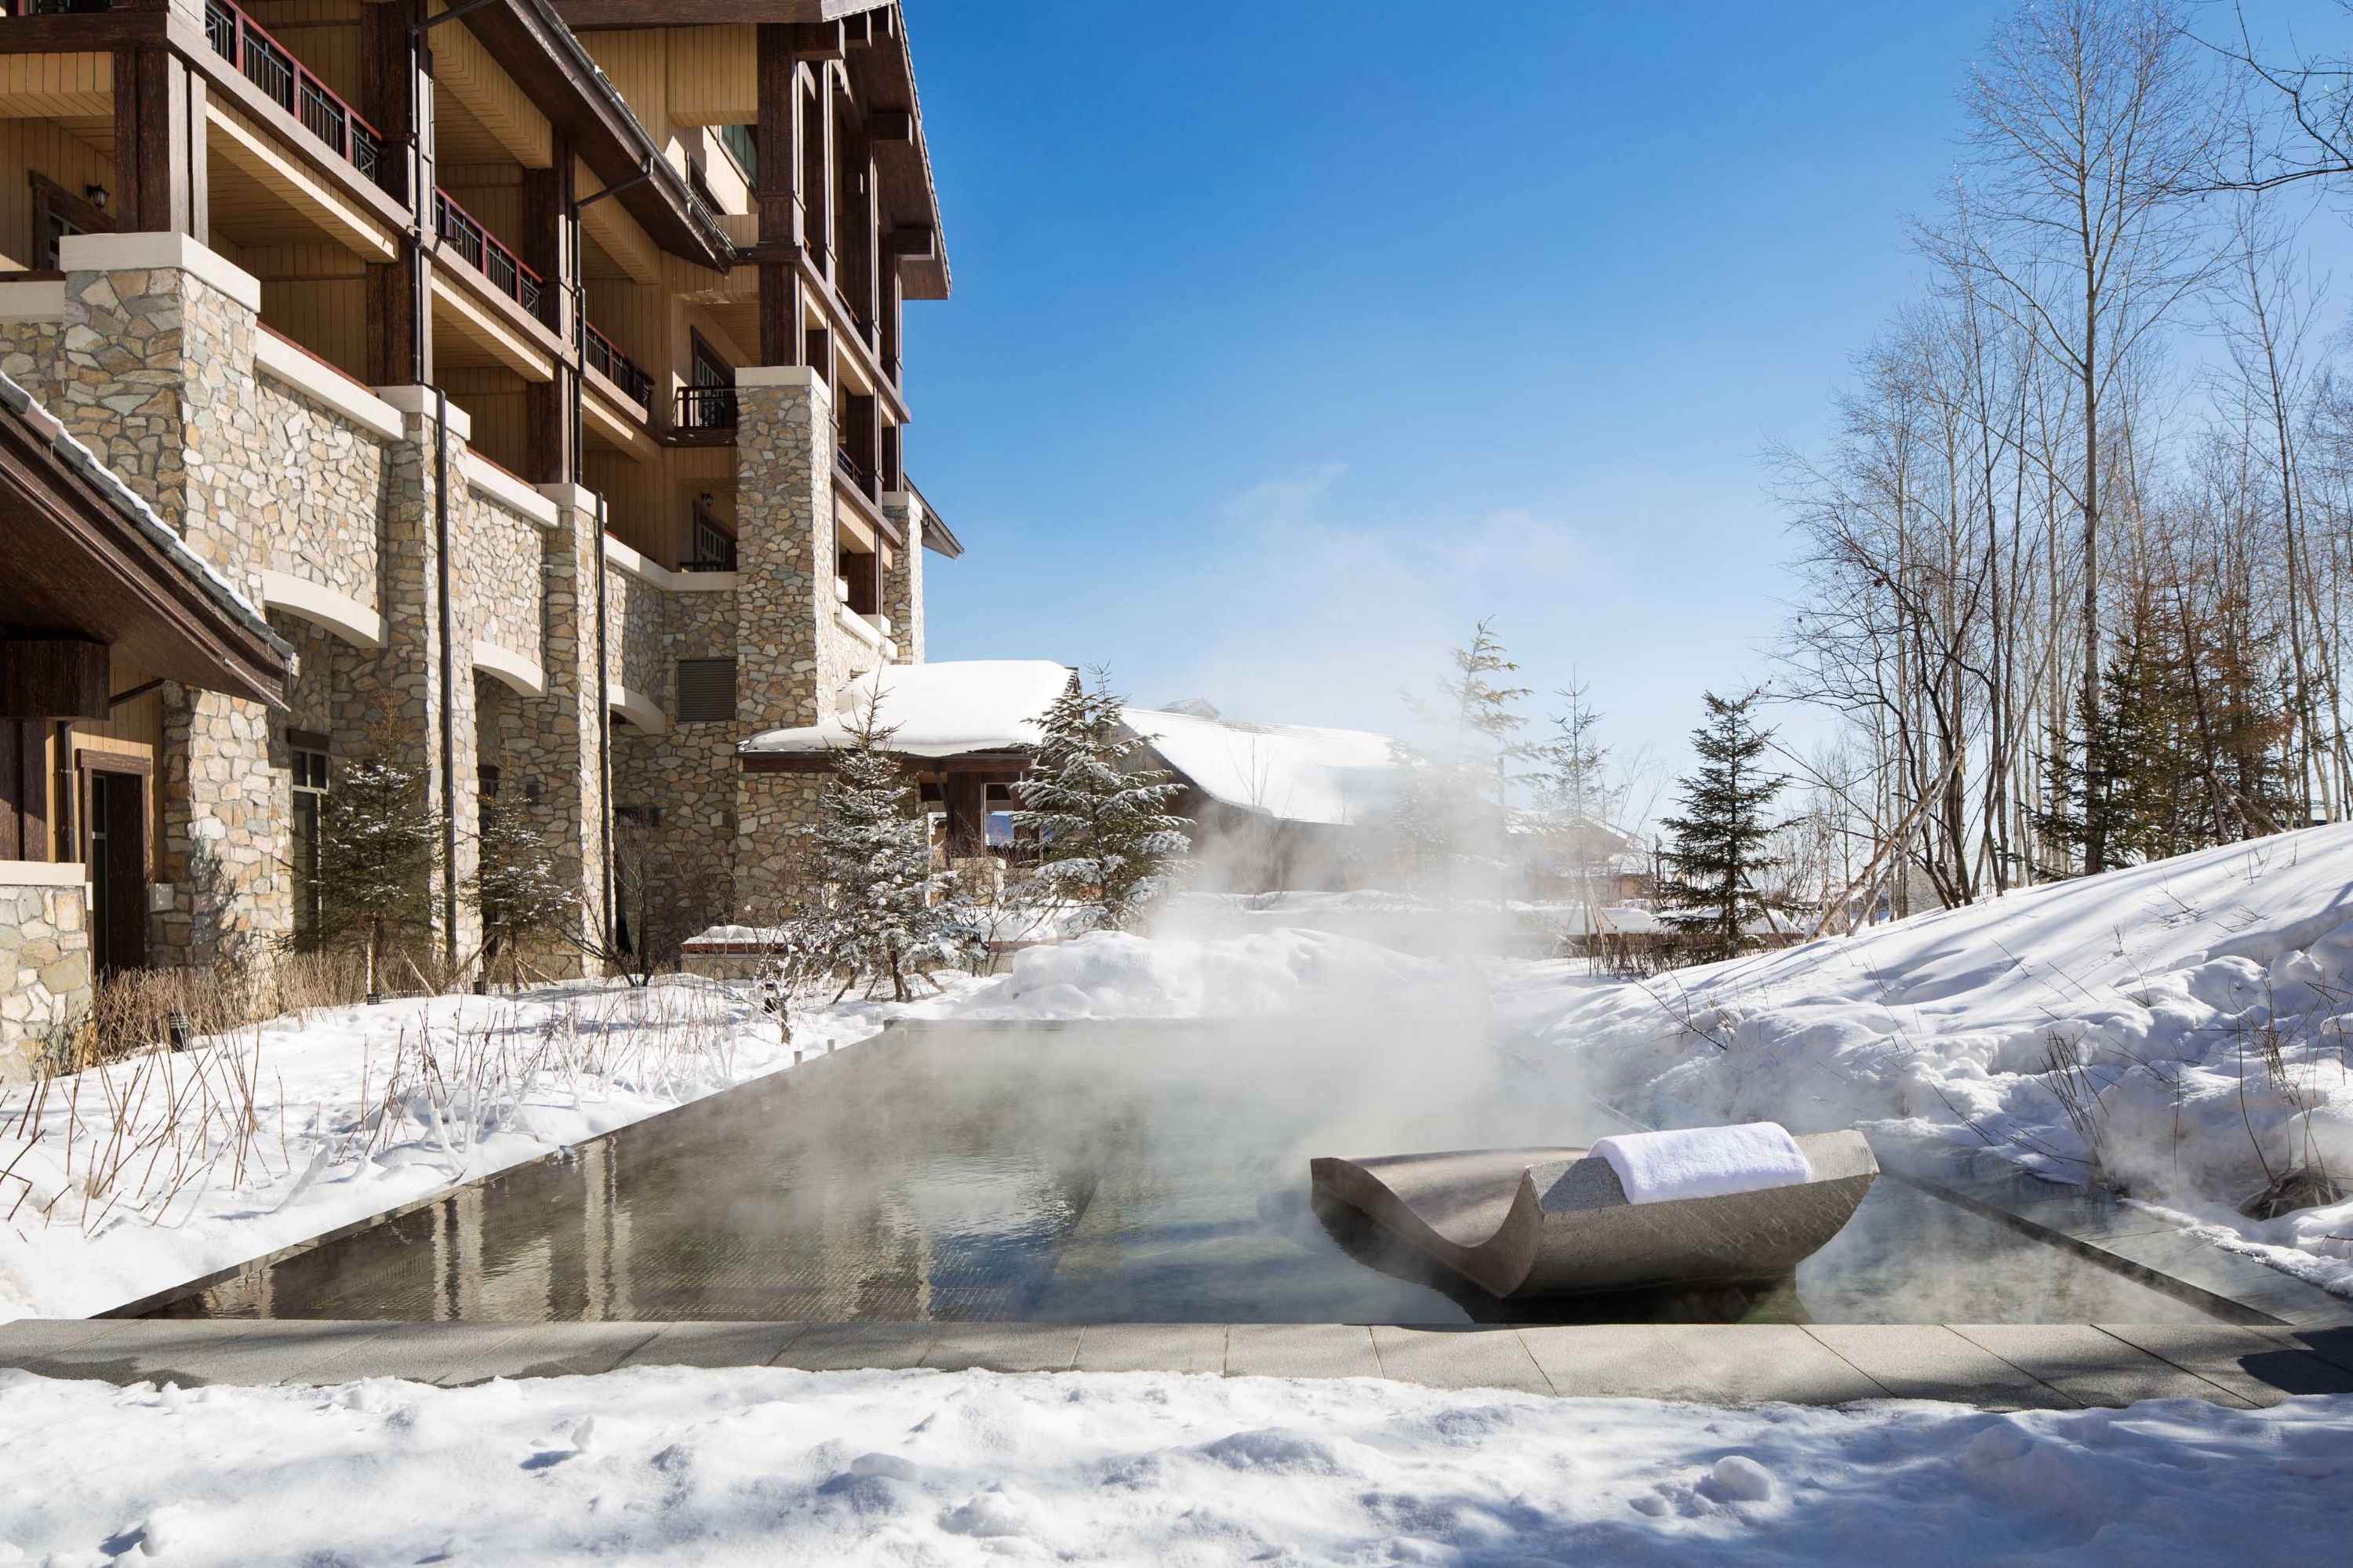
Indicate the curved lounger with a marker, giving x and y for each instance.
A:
(1552, 1222)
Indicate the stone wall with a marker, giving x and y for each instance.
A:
(45, 972)
(901, 588)
(324, 519)
(686, 862)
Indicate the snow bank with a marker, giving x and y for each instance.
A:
(2179, 1028)
(1267, 974)
(761, 1466)
(936, 710)
(130, 1179)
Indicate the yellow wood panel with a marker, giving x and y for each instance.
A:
(233, 143)
(38, 86)
(611, 229)
(714, 75)
(634, 61)
(328, 316)
(463, 69)
(301, 261)
(324, 36)
(490, 340)
(612, 418)
(40, 147)
(501, 428)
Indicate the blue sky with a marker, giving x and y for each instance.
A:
(1290, 340)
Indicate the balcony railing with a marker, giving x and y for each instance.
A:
(266, 63)
(706, 407)
(616, 367)
(461, 233)
(54, 7)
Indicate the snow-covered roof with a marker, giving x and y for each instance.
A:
(936, 710)
(1287, 771)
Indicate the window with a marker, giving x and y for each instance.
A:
(58, 213)
(744, 146)
(714, 547)
(997, 805)
(706, 691)
(858, 571)
(309, 769)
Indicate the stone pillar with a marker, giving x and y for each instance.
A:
(404, 689)
(158, 381)
(901, 588)
(565, 727)
(791, 658)
(45, 971)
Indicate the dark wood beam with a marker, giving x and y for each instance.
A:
(891, 127)
(913, 244)
(54, 678)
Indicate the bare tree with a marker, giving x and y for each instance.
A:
(2091, 126)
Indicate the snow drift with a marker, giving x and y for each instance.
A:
(2177, 1031)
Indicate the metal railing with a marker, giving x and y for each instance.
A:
(616, 367)
(706, 407)
(460, 232)
(269, 65)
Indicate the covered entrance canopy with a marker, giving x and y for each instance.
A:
(94, 575)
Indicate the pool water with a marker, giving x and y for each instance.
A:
(1089, 1174)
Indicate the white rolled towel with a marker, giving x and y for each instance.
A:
(1704, 1162)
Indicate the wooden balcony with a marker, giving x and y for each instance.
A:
(272, 68)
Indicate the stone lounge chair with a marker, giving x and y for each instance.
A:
(1554, 1222)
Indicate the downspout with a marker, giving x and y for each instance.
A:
(448, 682)
(603, 737)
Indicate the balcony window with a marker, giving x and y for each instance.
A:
(714, 548)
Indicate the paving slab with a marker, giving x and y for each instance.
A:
(448, 1354)
(851, 1347)
(2253, 1290)
(2092, 1366)
(715, 1345)
(1458, 1358)
(1928, 1360)
(1005, 1347)
(1301, 1349)
(2254, 1366)
(1152, 1347)
(28, 1339)
(192, 1351)
(1763, 1363)
(571, 1349)
(1607, 1361)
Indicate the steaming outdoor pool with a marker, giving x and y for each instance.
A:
(1084, 1173)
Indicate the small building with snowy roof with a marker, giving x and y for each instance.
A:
(966, 730)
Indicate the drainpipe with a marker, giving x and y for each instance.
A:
(579, 477)
(448, 682)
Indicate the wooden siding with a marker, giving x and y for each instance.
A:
(463, 69)
(713, 75)
(42, 86)
(40, 147)
(328, 316)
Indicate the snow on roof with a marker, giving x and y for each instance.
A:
(1287, 771)
(936, 710)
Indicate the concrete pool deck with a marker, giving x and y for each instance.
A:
(2007, 1366)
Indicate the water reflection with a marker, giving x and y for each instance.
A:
(1098, 1175)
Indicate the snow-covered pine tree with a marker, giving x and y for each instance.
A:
(871, 862)
(1106, 842)
(516, 886)
(1449, 820)
(379, 847)
(1719, 860)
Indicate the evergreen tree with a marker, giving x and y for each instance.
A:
(1719, 858)
(1575, 785)
(1106, 842)
(1449, 819)
(516, 886)
(870, 908)
(379, 845)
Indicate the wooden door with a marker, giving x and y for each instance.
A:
(117, 870)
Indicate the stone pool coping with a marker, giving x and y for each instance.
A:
(2005, 1366)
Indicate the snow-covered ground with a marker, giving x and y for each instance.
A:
(2180, 1029)
(770, 1467)
(125, 1181)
